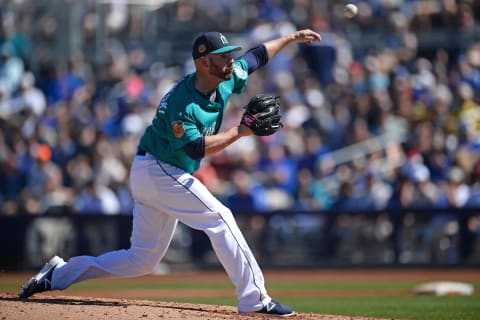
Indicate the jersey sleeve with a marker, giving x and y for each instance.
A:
(240, 74)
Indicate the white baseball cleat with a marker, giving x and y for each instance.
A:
(42, 280)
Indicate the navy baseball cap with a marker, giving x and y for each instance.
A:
(211, 43)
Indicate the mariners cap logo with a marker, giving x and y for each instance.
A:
(223, 39)
(178, 129)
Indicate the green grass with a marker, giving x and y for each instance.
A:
(385, 299)
(404, 307)
(414, 308)
(423, 307)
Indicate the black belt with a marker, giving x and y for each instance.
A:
(141, 152)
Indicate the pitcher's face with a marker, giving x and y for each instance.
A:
(221, 65)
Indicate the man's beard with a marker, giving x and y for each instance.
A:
(219, 72)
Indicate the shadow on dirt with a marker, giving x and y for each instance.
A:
(112, 303)
(66, 301)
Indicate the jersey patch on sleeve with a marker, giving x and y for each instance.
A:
(242, 74)
(178, 129)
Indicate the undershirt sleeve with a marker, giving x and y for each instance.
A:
(196, 148)
(256, 58)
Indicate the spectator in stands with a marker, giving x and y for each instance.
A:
(97, 199)
(11, 67)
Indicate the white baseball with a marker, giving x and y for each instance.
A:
(350, 10)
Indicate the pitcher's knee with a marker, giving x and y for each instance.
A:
(223, 222)
(142, 262)
(227, 216)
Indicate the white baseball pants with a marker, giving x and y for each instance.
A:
(163, 196)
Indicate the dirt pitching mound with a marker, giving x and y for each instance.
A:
(47, 307)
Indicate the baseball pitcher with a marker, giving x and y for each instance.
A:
(184, 130)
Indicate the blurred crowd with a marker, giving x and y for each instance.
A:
(376, 116)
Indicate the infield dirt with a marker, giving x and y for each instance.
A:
(82, 308)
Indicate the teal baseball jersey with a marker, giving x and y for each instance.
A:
(184, 115)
